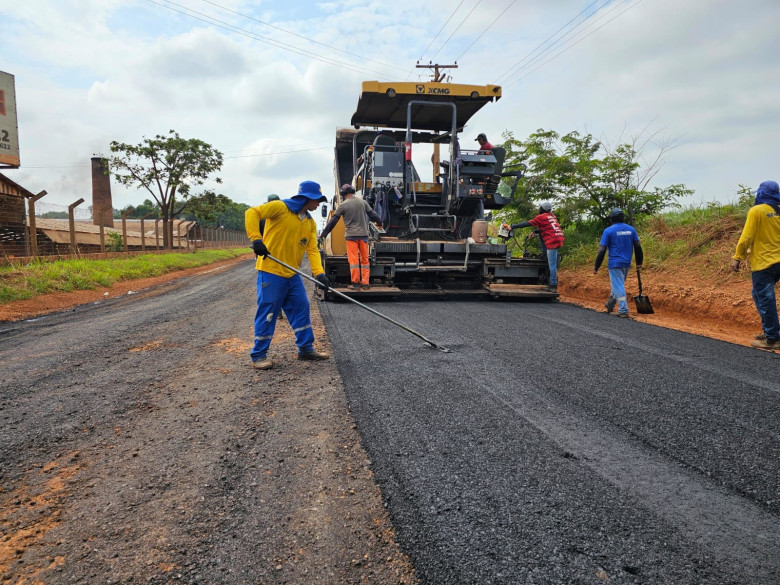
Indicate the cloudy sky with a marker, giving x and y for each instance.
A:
(267, 82)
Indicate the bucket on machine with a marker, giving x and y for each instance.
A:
(479, 231)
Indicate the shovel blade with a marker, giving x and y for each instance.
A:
(643, 305)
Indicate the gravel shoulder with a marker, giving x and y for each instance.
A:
(140, 446)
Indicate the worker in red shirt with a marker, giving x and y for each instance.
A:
(484, 145)
(551, 236)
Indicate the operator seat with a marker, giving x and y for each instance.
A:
(383, 142)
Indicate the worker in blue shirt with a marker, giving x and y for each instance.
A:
(622, 242)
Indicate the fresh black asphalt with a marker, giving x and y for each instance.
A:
(561, 445)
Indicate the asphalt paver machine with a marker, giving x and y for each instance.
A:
(433, 235)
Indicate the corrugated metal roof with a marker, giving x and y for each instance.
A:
(9, 187)
(58, 230)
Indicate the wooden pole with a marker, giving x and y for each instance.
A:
(124, 228)
(102, 227)
(33, 240)
(143, 233)
(72, 225)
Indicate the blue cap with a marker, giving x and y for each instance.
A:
(768, 188)
(311, 190)
(768, 192)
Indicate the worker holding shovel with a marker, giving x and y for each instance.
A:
(622, 242)
(290, 232)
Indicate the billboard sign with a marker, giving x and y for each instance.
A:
(9, 129)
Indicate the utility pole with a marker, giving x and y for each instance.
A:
(437, 76)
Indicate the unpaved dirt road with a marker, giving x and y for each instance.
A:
(138, 445)
(555, 445)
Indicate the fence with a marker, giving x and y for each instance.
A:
(59, 231)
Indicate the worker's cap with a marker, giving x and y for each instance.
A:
(347, 188)
(311, 190)
(768, 188)
(273, 197)
(616, 212)
(546, 207)
(481, 136)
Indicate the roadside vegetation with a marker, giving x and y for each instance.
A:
(41, 277)
(700, 238)
(584, 178)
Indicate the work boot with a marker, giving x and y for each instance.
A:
(553, 288)
(610, 304)
(354, 286)
(766, 344)
(313, 356)
(760, 336)
(265, 363)
(365, 287)
(622, 315)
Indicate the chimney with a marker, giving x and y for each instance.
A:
(101, 193)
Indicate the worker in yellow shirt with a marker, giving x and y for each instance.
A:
(761, 236)
(290, 232)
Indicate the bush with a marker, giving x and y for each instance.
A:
(115, 242)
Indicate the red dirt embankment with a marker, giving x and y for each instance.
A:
(720, 307)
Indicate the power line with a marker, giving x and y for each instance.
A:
(561, 42)
(457, 29)
(486, 29)
(82, 166)
(441, 29)
(570, 46)
(278, 152)
(274, 43)
(511, 71)
(268, 24)
(25, 167)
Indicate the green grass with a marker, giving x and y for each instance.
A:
(37, 278)
(704, 235)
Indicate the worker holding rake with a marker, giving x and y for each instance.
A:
(290, 232)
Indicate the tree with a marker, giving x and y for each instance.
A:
(169, 167)
(213, 209)
(584, 178)
(138, 211)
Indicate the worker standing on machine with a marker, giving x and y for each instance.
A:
(290, 232)
(551, 237)
(484, 145)
(354, 211)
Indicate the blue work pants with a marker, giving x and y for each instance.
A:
(617, 281)
(552, 261)
(763, 292)
(276, 293)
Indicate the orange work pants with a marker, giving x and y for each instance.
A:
(357, 254)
